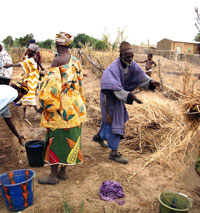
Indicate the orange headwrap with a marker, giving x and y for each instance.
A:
(64, 39)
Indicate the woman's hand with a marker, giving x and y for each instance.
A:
(20, 138)
(7, 66)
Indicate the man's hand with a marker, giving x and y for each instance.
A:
(20, 137)
(136, 99)
(155, 83)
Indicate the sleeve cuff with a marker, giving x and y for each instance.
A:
(129, 99)
(151, 86)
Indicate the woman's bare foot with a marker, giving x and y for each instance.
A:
(62, 173)
(48, 180)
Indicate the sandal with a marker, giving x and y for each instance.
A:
(48, 181)
(97, 139)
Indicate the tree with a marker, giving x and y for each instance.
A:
(197, 37)
(120, 37)
(197, 24)
(101, 45)
(105, 41)
(24, 41)
(83, 39)
(45, 44)
(8, 41)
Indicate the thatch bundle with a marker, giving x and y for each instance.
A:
(151, 123)
(191, 110)
(93, 109)
(156, 126)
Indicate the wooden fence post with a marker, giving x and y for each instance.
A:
(160, 76)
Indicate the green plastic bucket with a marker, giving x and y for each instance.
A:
(174, 202)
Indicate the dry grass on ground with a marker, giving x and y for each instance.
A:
(158, 126)
(158, 143)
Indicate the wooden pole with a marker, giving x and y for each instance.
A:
(92, 62)
(160, 76)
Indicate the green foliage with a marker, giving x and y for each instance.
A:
(8, 41)
(100, 45)
(24, 41)
(82, 40)
(47, 44)
(67, 207)
(82, 206)
(197, 37)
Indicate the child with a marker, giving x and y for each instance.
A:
(149, 64)
(30, 77)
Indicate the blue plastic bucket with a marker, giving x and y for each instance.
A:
(17, 189)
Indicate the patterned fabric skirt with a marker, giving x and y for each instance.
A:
(63, 146)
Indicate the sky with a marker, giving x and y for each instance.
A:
(142, 20)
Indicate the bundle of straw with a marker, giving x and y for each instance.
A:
(191, 110)
(156, 126)
(93, 109)
(150, 123)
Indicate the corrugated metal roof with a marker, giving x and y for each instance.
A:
(189, 42)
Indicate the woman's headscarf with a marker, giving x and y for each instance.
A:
(33, 47)
(64, 39)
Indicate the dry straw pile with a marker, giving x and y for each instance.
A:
(47, 56)
(17, 55)
(93, 109)
(150, 123)
(156, 126)
(191, 110)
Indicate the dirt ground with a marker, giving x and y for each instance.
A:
(84, 181)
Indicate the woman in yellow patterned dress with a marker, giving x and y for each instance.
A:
(63, 102)
(30, 77)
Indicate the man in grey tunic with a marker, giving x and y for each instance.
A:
(117, 85)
